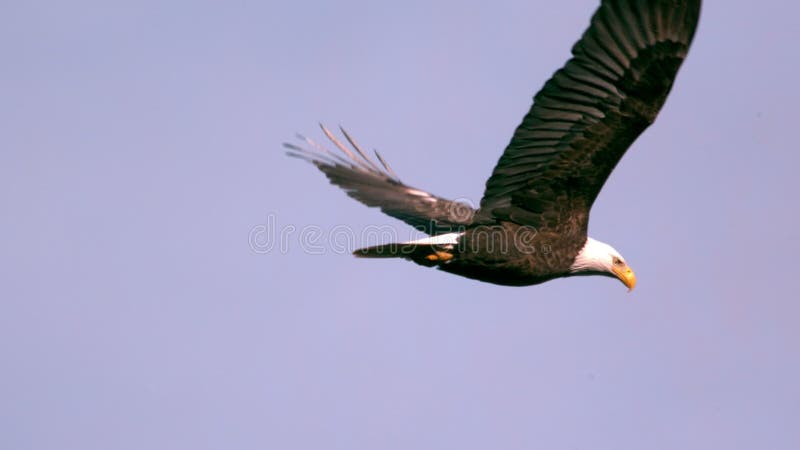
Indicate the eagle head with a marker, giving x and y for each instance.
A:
(599, 258)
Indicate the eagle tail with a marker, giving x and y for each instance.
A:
(429, 251)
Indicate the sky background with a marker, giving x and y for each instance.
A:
(149, 301)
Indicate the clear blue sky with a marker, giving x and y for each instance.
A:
(140, 148)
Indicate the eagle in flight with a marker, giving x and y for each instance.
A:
(531, 225)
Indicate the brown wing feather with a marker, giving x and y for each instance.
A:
(377, 185)
(589, 113)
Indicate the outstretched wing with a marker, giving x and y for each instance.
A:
(589, 113)
(377, 185)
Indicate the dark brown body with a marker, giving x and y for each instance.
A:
(512, 255)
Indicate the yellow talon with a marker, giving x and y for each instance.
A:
(441, 256)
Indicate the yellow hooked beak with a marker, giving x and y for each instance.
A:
(626, 275)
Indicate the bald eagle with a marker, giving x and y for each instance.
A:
(531, 225)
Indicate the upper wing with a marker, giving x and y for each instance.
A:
(588, 114)
(379, 186)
